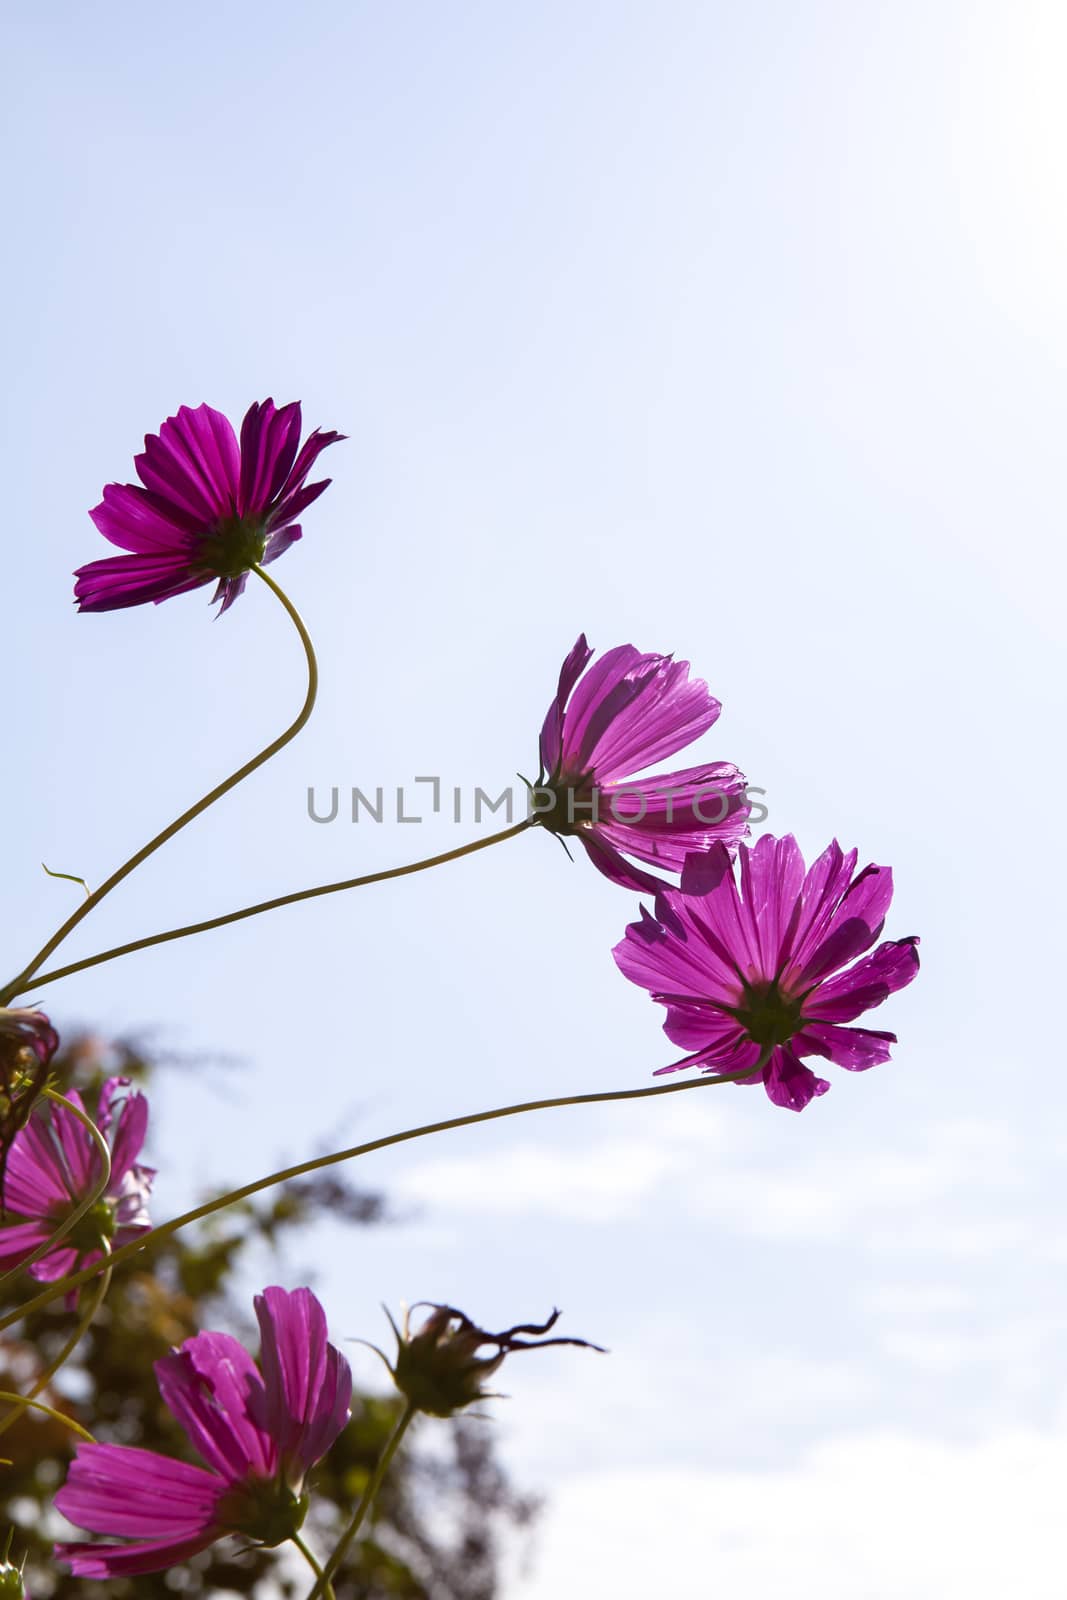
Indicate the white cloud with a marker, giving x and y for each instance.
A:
(871, 1517)
(916, 1300)
(603, 1184)
(919, 1196)
(1018, 1349)
(942, 1235)
(570, 1411)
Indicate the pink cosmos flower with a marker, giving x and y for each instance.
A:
(260, 1429)
(53, 1165)
(626, 713)
(209, 508)
(757, 977)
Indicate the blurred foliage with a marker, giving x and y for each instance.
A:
(442, 1516)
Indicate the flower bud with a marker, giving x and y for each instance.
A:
(438, 1367)
(11, 1584)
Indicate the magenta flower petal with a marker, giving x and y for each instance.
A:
(678, 957)
(212, 1385)
(27, 1044)
(789, 1083)
(856, 1049)
(137, 1494)
(695, 1025)
(270, 439)
(258, 1431)
(332, 1409)
(604, 691)
(128, 1560)
(58, 1263)
(824, 886)
(229, 590)
(20, 1239)
(37, 1182)
(121, 581)
(193, 463)
(772, 877)
(749, 970)
(296, 494)
(615, 867)
(145, 523)
(207, 508)
(867, 984)
(131, 1126)
(306, 1394)
(613, 718)
(80, 1159)
(853, 928)
(552, 730)
(170, 1508)
(130, 1201)
(630, 710)
(665, 819)
(734, 1056)
(53, 1165)
(279, 543)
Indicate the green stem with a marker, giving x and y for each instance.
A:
(327, 1590)
(366, 1501)
(84, 1205)
(24, 1403)
(149, 1241)
(81, 1328)
(282, 900)
(25, 977)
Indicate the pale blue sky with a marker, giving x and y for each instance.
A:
(733, 331)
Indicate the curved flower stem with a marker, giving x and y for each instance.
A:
(85, 1205)
(327, 1587)
(366, 1501)
(82, 1327)
(147, 1241)
(25, 977)
(24, 1403)
(282, 900)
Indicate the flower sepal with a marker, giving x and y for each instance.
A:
(12, 1586)
(265, 1510)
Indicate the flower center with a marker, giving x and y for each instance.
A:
(565, 808)
(89, 1231)
(767, 1015)
(234, 546)
(263, 1509)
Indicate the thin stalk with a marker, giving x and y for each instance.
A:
(25, 1404)
(149, 1240)
(83, 1206)
(25, 977)
(366, 1501)
(190, 928)
(327, 1589)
